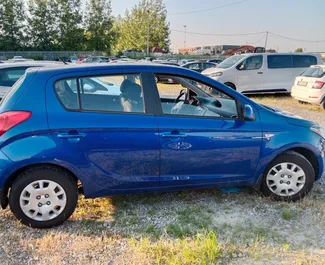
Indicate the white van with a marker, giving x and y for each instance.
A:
(262, 72)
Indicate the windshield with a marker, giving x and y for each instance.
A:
(314, 72)
(231, 61)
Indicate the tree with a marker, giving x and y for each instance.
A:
(71, 35)
(43, 24)
(12, 24)
(98, 25)
(133, 28)
(299, 50)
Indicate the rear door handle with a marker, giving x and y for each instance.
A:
(259, 73)
(71, 136)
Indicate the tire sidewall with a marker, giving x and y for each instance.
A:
(60, 177)
(303, 163)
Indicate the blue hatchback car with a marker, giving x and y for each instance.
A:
(61, 134)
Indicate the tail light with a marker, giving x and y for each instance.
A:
(318, 85)
(10, 119)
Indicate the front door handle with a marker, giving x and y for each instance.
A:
(173, 135)
(259, 73)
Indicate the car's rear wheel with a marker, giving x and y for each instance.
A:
(43, 197)
(289, 177)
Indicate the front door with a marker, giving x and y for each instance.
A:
(250, 74)
(202, 140)
(109, 136)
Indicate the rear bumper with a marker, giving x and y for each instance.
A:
(309, 95)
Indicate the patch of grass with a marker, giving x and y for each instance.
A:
(178, 231)
(196, 216)
(152, 211)
(289, 214)
(202, 249)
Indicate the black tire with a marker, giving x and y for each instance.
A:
(61, 177)
(231, 85)
(299, 160)
(322, 105)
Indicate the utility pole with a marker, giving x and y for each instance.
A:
(148, 33)
(184, 38)
(267, 34)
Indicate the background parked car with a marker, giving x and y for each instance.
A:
(217, 61)
(262, 73)
(11, 72)
(96, 59)
(199, 66)
(310, 86)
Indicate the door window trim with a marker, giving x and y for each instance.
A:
(158, 107)
(142, 75)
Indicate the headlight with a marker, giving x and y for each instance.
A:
(216, 74)
(320, 130)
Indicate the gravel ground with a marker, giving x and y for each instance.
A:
(250, 229)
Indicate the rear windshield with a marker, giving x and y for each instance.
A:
(13, 89)
(314, 72)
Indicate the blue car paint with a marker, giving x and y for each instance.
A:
(126, 153)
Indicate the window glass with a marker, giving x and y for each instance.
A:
(314, 72)
(194, 66)
(279, 61)
(303, 61)
(252, 63)
(191, 98)
(9, 76)
(67, 93)
(208, 65)
(117, 93)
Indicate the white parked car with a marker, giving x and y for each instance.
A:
(310, 86)
(11, 72)
(262, 72)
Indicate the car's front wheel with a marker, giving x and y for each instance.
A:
(289, 177)
(43, 197)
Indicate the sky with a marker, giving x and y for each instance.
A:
(297, 19)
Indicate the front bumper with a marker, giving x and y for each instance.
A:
(309, 95)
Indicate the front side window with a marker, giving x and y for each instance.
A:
(9, 76)
(231, 61)
(251, 63)
(303, 61)
(113, 93)
(279, 61)
(192, 98)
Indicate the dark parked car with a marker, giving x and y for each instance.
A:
(217, 61)
(57, 142)
(199, 66)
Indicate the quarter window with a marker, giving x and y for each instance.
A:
(113, 93)
(279, 61)
(9, 76)
(303, 61)
(187, 97)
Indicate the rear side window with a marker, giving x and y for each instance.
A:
(9, 76)
(279, 61)
(303, 61)
(113, 93)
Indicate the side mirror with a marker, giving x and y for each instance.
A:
(249, 114)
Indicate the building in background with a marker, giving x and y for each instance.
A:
(207, 50)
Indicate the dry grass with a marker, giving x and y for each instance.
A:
(284, 101)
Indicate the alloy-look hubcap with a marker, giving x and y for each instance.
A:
(43, 200)
(286, 179)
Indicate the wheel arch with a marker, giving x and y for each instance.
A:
(18, 172)
(231, 85)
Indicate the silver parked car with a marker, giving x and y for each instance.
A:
(11, 72)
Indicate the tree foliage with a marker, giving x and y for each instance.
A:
(60, 25)
(133, 27)
(98, 25)
(12, 24)
(299, 50)
(43, 24)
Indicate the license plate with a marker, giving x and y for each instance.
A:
(302, 83)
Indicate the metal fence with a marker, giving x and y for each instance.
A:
(46, 55)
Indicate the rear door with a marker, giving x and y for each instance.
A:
(118, 149)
